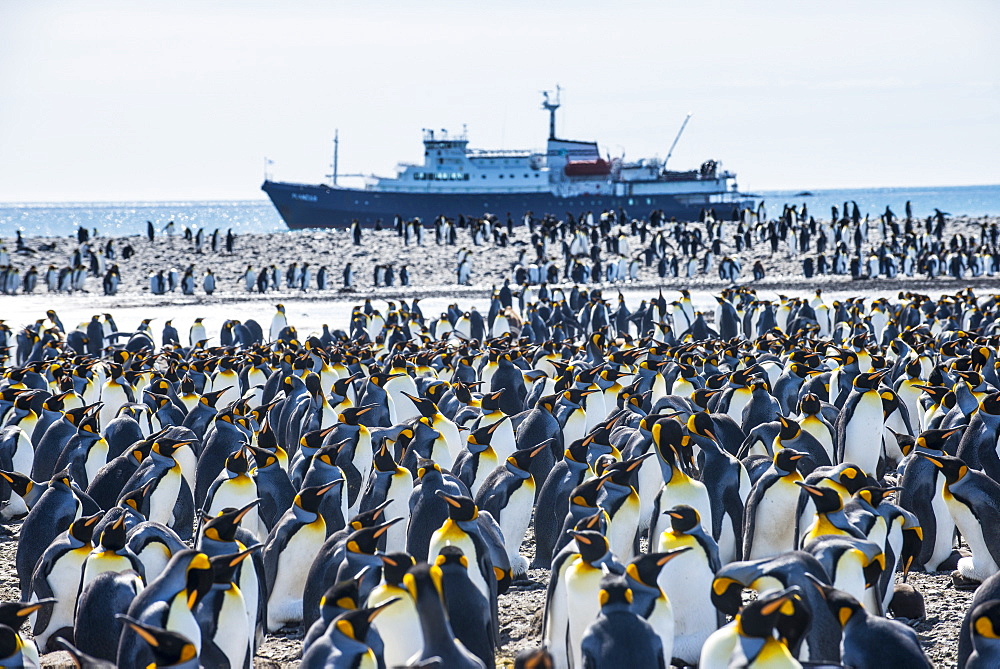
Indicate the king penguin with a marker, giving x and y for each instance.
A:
(288, 554)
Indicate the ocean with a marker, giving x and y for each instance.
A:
(246, 216)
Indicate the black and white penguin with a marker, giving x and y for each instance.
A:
(769, 525)
(619, 636)
(288, 554)
(871, 641)
(972, 497)
(167, 602)
(423, 582)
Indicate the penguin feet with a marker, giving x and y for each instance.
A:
(519, 568)
(963, 583)
(907, 602)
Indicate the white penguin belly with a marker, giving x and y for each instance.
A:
(687, 582)
(621, 531)
(774, 522)
(399, 623)
(181, 620)
(981, 565)
(582, 585)
(850, 577)
(100, 562)
(514, 520)
(164, 498)
(233, 637)
(690, 492)
(236, 493)
(944, 533)
(64, 581)
(97, 457)
(443, 537)
(400, 490)
(284, 605)
(863, 434)
(154, 558)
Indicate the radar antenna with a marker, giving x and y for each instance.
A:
(551, 107)
(676, 139)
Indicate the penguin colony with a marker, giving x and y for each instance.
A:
(375, 485)
(588, 248)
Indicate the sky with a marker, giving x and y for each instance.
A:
(110, 100)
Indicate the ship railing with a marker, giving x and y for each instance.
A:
(499, 153)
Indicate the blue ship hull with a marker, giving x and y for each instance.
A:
(318, 206)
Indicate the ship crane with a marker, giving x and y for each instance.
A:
(676, 139)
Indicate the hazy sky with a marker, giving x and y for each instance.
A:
(134, 100)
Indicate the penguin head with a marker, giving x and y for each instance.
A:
(624, 472)
(521, 458)
(852, 477)
(614, 591)
(451, 557)
(224, 566)
(10, 641)
(789, 429)
(702, 396)
(395, 566)
(114, 537)
(422, 580)
(586, 493)
(425, 467)
(13, 614)
(370, 517)
(683, 518)
(169, 648)
(223, 527)
(787, 460)
(18, 482)
(309, 499)
(343, 594)
(328, 454)
(869, 380)
(646, 568)
(382, 458)
(702, 425)
(365, 541)
(784, 611)
(62, 478)
(592, 546)
(238, 463)
(985, 620)
(991, 404)
(460, 508)
(826, 499)
(262, 457)
(842, 605)
(352, 416)
(952, 468)
(934, 439)
(875, 495)
(167, 446)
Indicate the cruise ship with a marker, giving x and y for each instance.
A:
(569, 176)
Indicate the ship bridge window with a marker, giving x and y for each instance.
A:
(440, 176)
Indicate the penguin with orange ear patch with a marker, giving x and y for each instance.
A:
(871, 641)
(169, 649)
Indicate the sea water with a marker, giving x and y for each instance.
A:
(246, 216)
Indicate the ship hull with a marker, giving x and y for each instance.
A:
(304, 206)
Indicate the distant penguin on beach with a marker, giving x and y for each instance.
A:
(208, 282)
(348, 276)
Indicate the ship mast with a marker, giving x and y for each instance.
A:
(551, 107)
(336, 147)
